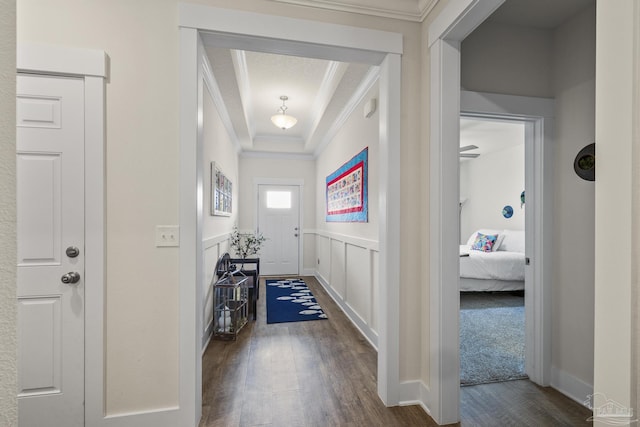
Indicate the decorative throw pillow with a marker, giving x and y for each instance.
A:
(484, 242)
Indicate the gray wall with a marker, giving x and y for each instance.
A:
(557, 63)
(8, 371)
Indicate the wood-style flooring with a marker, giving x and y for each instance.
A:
(323, 373)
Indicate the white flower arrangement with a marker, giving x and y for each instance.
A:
(246, 244)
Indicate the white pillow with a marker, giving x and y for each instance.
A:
(487, 231)
(513, 241)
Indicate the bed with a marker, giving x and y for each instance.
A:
(492, 260)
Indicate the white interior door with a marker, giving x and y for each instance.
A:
(50, 199)
(279, 222)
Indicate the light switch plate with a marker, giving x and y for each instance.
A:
(167, 235)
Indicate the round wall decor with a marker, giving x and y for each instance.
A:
(585, 163)
(507, 211)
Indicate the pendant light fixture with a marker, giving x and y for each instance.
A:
(282, 119)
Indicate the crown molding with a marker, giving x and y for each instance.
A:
(276, 155)
(332, 77)
(407, 10)
(358, 95)
(211, 84)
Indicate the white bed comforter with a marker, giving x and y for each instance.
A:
(498, 265)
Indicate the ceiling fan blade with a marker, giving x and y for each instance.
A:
(469, 156)
(468, 147)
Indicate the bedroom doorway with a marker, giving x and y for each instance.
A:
(492, 250)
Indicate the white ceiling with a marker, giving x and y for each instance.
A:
(321, 92)
(489, 135)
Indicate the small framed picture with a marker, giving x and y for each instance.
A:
(221, 192)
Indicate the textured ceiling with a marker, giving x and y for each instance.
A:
(251, 83)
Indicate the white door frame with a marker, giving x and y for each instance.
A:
(91, 66)
(453, 24)
(538, 117)
(289, 182)
(277, 34)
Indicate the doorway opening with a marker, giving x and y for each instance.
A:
(492, 250)
(274, 34)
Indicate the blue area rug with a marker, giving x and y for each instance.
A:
(291, 301)
(491, 337)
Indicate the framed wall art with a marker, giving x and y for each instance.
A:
(221, 192)
(346, 191)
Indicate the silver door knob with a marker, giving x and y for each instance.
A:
(70, 278)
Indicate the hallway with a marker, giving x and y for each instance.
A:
(323, 373)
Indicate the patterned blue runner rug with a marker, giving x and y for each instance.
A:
(291, 301)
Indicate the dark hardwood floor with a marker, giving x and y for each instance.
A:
(323, 373)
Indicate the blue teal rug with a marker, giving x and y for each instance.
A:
(291, 301)
(491, 337)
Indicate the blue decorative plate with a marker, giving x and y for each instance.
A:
(507, 211)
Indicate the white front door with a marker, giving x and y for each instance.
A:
(50, 203)
(279, 222)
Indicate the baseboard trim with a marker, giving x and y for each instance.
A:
(368, 333)
(207, 336)
(570, 385)
(414, 393)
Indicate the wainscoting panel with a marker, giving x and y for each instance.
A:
(338, 262)
(358, 283)
(375, 292)
(309, 263)
(348, 269)
(213, 248)
(323, 251)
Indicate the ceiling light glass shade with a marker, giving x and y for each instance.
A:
(283, 121)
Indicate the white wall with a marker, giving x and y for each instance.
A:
(8, 325)
(142, 138)
(617, 205)
(346, 251)
(574, 201)
(487, 184)
(291, 168)
(219, 148)
(568, 55)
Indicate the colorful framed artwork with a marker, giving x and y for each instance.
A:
(346, 191)
(221, 192)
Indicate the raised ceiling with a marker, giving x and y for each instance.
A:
(322, 92)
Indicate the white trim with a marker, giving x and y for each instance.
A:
(361, 325)
(360, 242)
(190, 308)
(330, 81)
(211, 84)
(269, 155)
(571, 386)
(212, 241)
(241, 69)
(389, 230)
(457, 19)
(538, 116)
(413, 11)
(68, 61)
(275, 34)
(302, 34)
(358, 95)
(414, 393)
